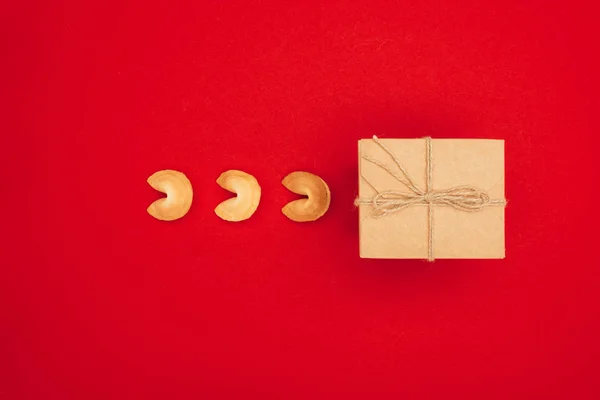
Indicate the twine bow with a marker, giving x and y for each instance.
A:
(463, 198)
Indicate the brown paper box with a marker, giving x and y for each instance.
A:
(456, 233)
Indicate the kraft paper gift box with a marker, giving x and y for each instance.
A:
(431, 198)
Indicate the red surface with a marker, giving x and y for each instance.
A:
(99, 300)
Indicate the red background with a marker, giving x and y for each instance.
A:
(99, 300)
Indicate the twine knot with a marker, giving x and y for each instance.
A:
(464, 198)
